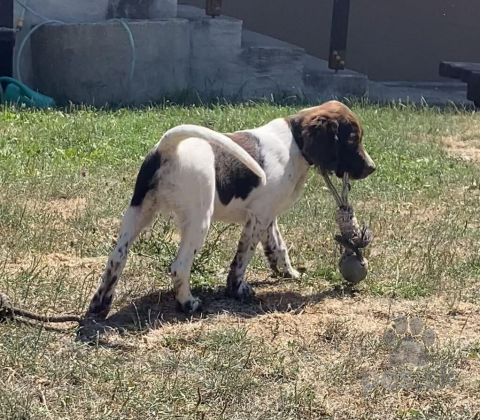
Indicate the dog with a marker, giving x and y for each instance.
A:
(248, 177)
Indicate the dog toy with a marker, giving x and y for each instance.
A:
(353, 265)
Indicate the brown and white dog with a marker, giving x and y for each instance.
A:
(249, 177)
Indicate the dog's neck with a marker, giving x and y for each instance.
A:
(296, 129)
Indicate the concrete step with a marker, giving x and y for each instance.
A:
(322, 83)
(319, 82)
(254, 39)
(273, 70)
(426, 93)
(267, 65)
(226, 61)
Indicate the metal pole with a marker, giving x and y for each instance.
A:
(213, 8)
(339, 35)
(7, 37)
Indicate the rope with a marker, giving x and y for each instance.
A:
(8, 311)
(353, 237)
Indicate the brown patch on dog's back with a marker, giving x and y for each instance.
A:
(233, 179)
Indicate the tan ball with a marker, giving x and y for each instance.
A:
(352, 269)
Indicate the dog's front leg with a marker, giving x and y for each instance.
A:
(277, 253)
(251, 234)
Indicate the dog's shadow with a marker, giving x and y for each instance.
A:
(158, 308)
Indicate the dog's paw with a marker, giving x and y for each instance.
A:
(191, 306)
(243, 292)
(90, 329)
(292, 274)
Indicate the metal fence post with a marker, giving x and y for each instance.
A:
(7, 37)
(339, 35)
(213, 8)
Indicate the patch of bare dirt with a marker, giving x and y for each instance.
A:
(55, 261)
(65, 208)
(362, 315)
(345, 336)
(465, 143)
(466, 150)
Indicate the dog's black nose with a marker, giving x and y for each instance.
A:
(368, 170)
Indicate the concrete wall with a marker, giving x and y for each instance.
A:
(388, 39)
(91, 63)
(87, 58)
(71, 11)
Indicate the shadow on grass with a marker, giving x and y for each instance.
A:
(158, 308)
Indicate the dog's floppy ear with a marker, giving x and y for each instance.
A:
(319, 140)
(347, 138)
(349, 156)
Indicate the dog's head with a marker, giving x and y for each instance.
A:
(330, 138)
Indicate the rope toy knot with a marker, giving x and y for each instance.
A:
(353, 265)
(353, 236)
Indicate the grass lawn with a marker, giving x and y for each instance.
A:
(297, 352)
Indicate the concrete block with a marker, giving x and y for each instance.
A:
(90, 63)
(163, 9)
(272, 70)
(69, 11)
(142, 9)
(220, 67)
(190, 12)
(431, 93)
(326, 86)
(84, 11)
(215, 46)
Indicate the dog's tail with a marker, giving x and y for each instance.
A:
(182, 132)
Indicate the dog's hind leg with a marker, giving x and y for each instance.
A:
(194, 229)
(136, 219)
(277, 253)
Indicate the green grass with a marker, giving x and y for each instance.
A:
(65, 179)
